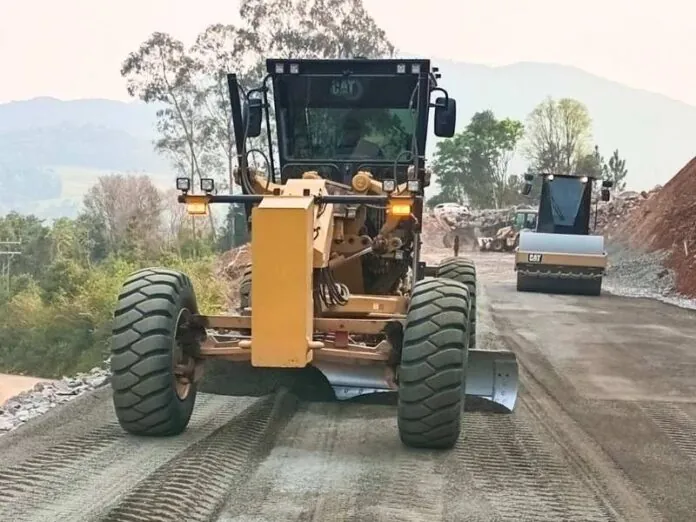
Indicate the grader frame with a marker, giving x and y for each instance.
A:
(338, 281)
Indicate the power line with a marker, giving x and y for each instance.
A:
(7, 253)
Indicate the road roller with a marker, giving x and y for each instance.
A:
(560, 255)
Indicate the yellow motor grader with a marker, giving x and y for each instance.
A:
(336, 280)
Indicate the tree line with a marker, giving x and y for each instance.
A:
(57, 305)
(473, 166)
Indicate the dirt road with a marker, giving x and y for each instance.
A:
(11, 385)
(603, 430)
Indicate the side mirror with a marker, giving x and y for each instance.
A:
(526, 188)
(254, 117)
(445, 117)
(529, 178)
(605, 193)
(607, 183)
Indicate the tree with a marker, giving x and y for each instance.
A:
(128, 209)
(194, 125)
(313, 29)
(474, 164)
(557, 136)
(617, 172)
(161, 71)
(595, 165)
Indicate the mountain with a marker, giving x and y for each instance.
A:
(51, 151)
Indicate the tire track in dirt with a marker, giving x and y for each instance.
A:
(523, 474)
(47, 468)
(299, 480)
(342, 461)
(549, 402)
(104, 476)
(675, 423)
(194, 486)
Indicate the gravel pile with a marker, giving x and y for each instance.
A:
(484, 219)
(47, 395)
(640, 274)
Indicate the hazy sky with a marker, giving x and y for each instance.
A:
(73, 48)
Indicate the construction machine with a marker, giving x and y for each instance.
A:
(507, 237)
(560, 255)
(336, 280)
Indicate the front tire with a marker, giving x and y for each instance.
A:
(153, 388)
(464, 271)
(433, 364)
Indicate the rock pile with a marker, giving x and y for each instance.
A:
(613, 213)
(47, 395)
(485, 220)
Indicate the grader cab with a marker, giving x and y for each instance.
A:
(336, 279)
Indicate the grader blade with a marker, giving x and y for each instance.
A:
(494, 377)
(491, 376)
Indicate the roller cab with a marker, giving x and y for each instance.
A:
(561, 256)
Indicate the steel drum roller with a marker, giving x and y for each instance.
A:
(560, 243)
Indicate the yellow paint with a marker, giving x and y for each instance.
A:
(196, 205)
(281, 254)
(323, 227)
(579, 260)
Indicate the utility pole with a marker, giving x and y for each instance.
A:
(8, 249)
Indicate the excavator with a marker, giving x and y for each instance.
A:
(336, 281)
(560, 255)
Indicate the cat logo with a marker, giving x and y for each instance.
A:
(534, 258)
(347, 88)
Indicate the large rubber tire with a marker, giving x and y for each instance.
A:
(149, 308)
(433, 364)
(464, 271)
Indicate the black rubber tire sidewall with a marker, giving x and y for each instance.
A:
(143, 382)
(433, 364)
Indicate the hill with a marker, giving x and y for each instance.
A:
(46, 144)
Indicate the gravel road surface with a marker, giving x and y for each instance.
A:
(603, 430)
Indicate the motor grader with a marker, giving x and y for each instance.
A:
(336, 280)
(560, 255)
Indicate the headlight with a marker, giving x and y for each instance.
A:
(183, 184)
(389, 185)
(207, 184)
(413, 185)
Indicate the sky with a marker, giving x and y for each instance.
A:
(72, 49)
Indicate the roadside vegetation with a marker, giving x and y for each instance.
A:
(56, 306)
